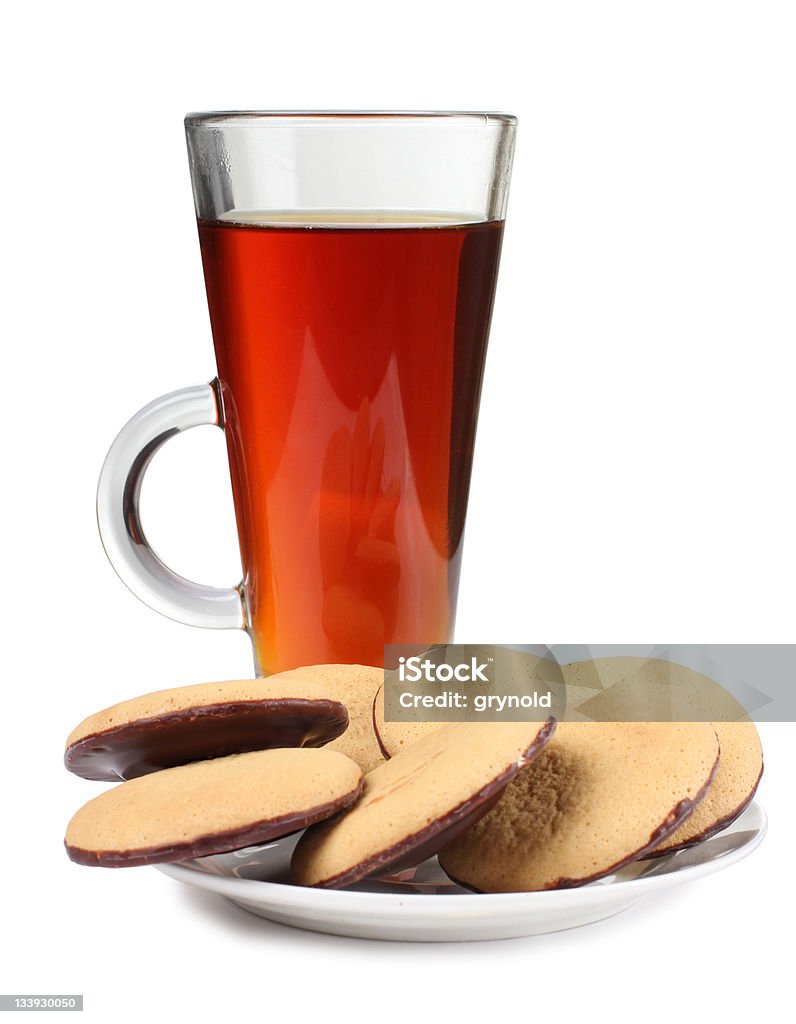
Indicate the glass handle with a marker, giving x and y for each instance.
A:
(119, 521)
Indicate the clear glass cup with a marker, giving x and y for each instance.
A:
(350, 262)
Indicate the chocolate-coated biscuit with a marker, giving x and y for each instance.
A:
(418, 801)
(212, 807)
(354, 686)
(636, 689)
(192, 723)
(598, 796)
(394, 737)
(730, 793)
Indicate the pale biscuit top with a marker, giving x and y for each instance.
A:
(739, 771)
(393, 737)
(181, 805)
(412, 792)
(635, 689)
(595, 798)
(354, 686)
(181, 698)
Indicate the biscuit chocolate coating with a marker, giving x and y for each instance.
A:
(212, 807)
(418, 801)
(731, 792)
(355, 686)
(193, 723)
(598, 796)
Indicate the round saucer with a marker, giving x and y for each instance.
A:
(423, 905)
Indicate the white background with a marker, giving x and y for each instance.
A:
(633, 479)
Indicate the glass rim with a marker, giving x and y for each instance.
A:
(292, 118)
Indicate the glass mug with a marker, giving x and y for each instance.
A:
(350, 262)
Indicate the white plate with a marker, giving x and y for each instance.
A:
(422, 905)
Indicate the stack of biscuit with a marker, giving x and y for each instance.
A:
(509, 807)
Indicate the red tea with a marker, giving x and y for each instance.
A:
(350, 355)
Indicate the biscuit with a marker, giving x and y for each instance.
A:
(393, 737)
(636, 689)
(598, 796)
(212, 807)
(192, 723)
(730, 793)
(354, 686)
(416, 802)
